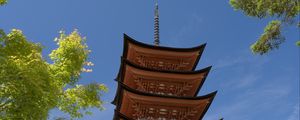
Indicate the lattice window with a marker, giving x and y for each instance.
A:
(161, 63)
(152, 85)
(160, 112)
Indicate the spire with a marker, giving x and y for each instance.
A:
(156, 25)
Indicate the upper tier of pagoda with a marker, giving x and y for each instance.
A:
(161, 58)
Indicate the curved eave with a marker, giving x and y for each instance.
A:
(122, 86)
(127, 62)
(125, 87)
(119, 115)
(209, 96)
(128, 39)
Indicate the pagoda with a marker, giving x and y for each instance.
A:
(160, 83)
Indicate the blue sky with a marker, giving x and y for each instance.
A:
(251, 87)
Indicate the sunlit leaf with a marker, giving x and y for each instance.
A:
(285, 11)
(270, 39)
(30, 86)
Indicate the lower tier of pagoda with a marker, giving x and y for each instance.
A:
(137, 105)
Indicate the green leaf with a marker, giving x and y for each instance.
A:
(3, 2)
(285, 11)
(30, 86)
(270, 39)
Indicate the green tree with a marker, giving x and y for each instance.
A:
(2, 2)
(284, 13)
(30, 86)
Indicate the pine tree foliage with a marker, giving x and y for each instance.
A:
(3, 2)
(284, 12)
(30, 86)
(270, 39)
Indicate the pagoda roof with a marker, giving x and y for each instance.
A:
(168, 57)
(125, 62)
(128, 39)
(119, 116)
(185, 83)
(136, 104)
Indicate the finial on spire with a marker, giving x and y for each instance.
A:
(156, 25)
